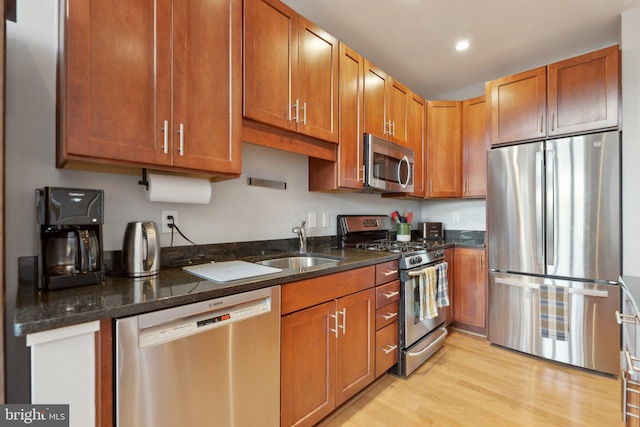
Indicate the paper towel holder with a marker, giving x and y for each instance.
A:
(144, 181)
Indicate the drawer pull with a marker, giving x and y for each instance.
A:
(390, 272)
(630, 359)
(389, 348)
(391, 294)
(625, 318)
(389, 315)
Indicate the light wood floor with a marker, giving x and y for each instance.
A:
(472, 383)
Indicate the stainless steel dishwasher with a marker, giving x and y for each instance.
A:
(211, 363)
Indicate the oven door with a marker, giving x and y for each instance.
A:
(414, 328)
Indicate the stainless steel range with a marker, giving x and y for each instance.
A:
(420, 336)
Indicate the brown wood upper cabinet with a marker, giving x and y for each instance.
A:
(444, 149)
(152, 84)
(347, 172)
(290, 71)
(474, 147)
(582, 94)
(416, 138)
(385, 105)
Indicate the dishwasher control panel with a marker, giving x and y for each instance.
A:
(201, 322)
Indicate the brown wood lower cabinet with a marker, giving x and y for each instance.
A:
(327, 343)
(449, 255)
(470, 290)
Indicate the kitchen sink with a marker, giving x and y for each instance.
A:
(301, 261)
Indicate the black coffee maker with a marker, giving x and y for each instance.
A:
(69, 237)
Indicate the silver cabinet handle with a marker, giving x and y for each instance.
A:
(430, 186)
(358, 177)
(553, 122)
(464, 186)
(389, 272)
(481, 257)
(181, 139)
(391, 294)
(392, 127)
(541, 123)
(304, 113)
(296, 107)
(389, 348)
(335, 317)
(344, 321)
(626, 318)
(389, 315)
(165, 144)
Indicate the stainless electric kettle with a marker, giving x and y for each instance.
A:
(141, 249)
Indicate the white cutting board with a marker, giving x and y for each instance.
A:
(230, 270)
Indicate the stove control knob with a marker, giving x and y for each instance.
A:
(416, 260)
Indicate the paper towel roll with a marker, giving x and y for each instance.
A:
(178, 189)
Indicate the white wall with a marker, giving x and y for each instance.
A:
(237, 211)
(631, 142)
(471, 213)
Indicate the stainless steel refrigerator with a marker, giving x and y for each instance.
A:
(554, 240)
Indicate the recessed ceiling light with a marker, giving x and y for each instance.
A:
(462, 45)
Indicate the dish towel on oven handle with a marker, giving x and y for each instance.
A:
(428, 294)
(442, 285)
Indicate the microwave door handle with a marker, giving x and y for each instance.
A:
(404, 159)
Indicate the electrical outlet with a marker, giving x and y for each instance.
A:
(166, 221)
(313, 220)
(325, 220)
(455, 217)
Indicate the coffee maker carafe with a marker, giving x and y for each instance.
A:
(69, 237)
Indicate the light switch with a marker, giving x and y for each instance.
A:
(313, 221)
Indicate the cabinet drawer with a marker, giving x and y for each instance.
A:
(386, 315)
(386, 348)
(388, 293)
(386, 272)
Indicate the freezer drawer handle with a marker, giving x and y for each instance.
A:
(515, 283)
(630, 359)
(626, 318)
(589, 293)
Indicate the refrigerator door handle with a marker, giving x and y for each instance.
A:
(539, 166)
(550, 206)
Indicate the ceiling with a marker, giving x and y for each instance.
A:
(414, 40)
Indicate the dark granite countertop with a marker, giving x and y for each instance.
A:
(632, 286)
(119, 296)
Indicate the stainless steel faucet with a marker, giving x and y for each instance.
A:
(302, 235)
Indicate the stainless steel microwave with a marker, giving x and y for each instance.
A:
(388, 166)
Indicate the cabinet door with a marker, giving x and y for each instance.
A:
(317, 82)
(469, 310)
(375, 100)
(308, 365)
(449, 258)
(399, 97)
(115, 81)
(584, 92)
(270, 61)
(207, 85)
(474, 143)
(444, 149)
(347, 172)
(350, 156)
(518, 106)
(416, 137)
(356, 338)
